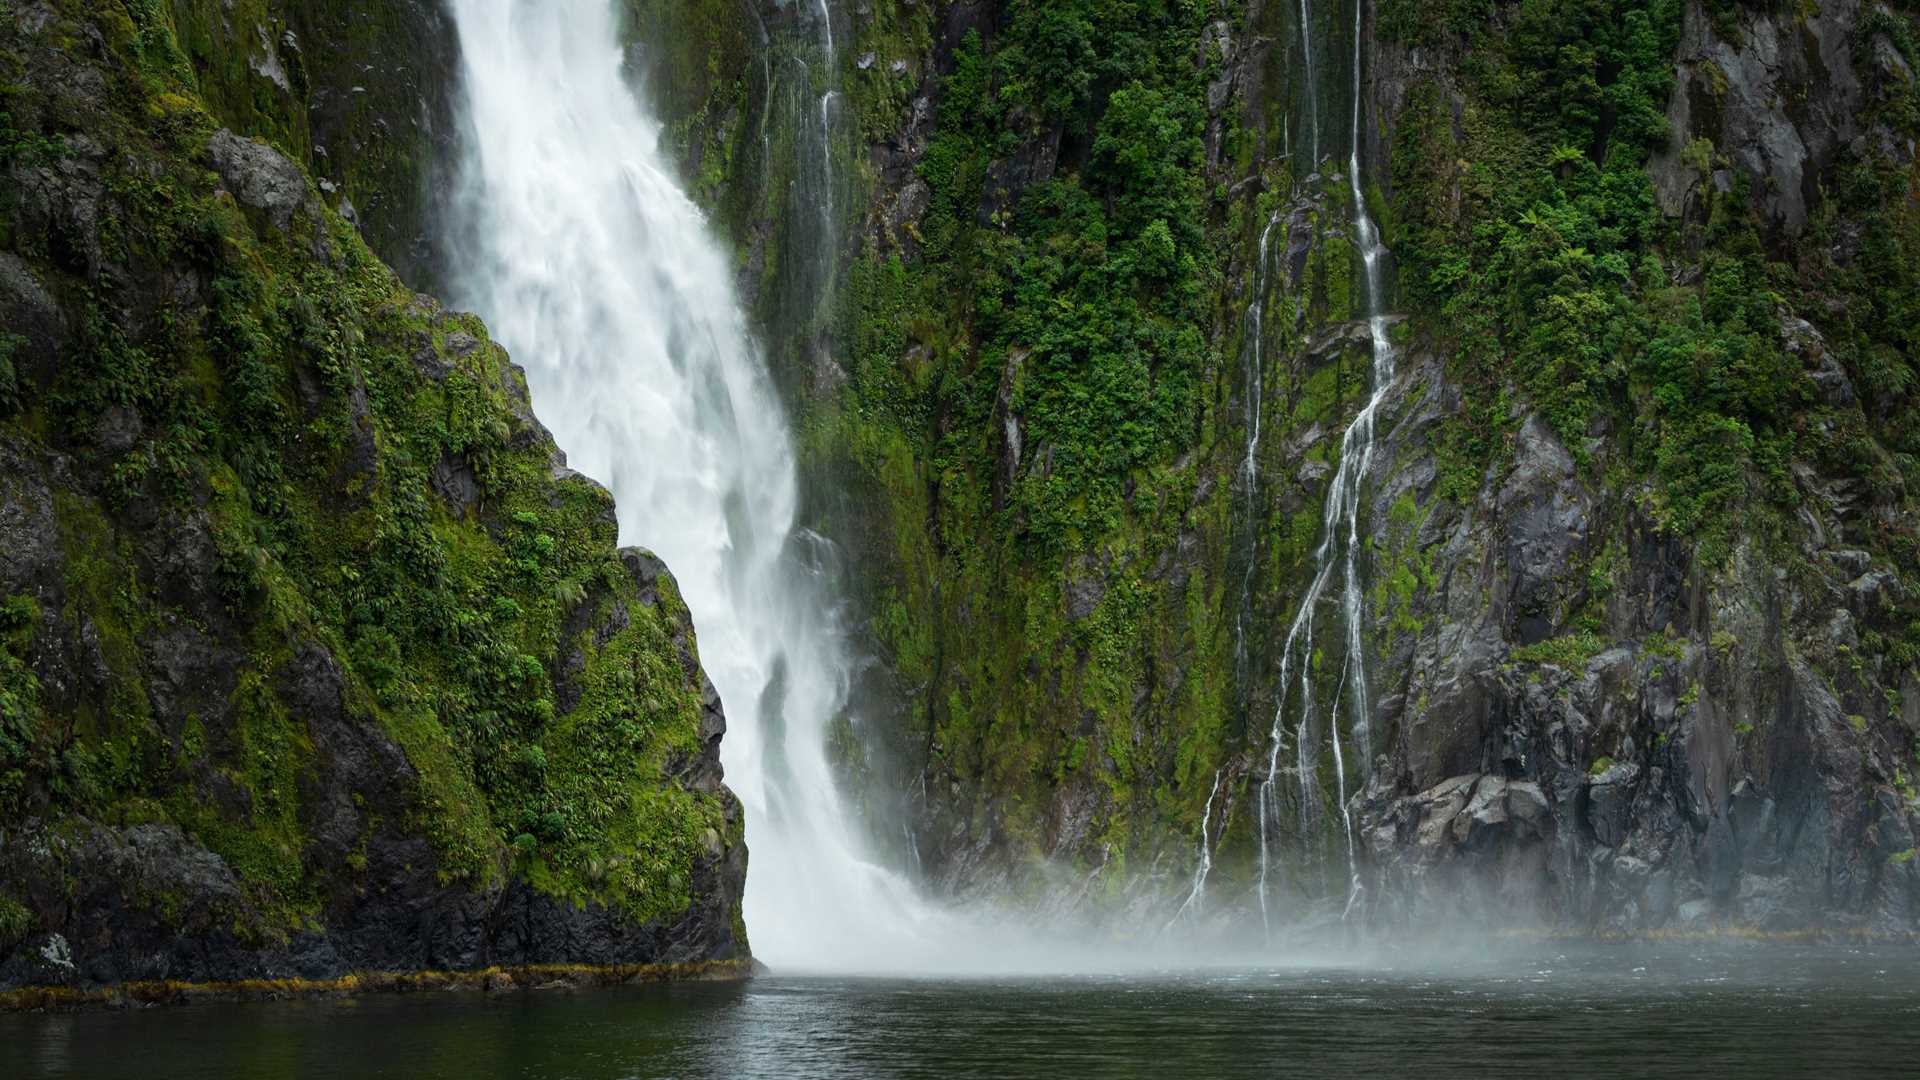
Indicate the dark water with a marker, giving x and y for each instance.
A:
(1746, 1012)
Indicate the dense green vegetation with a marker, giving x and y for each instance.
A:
(1528, 231)
(1096, 278)
(273, 464)
(1025, 403)
(1065, 274)
(1079, 278)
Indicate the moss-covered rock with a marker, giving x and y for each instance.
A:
(1656, 382)
(315, 656)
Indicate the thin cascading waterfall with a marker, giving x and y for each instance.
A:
(1252, 348)
(827, 253)
(1197, 891)
(1338, 553)
(1311, 80)
(802, 142)
(808, 207)
(1372, 254)
(601, 277)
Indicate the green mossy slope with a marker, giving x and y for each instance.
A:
(298, 588)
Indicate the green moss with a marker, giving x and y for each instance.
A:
(1401, 569)
(278, 411)
(1569, 651)
(24, 746)
(16, 921)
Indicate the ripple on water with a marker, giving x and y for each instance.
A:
(1745, 1012)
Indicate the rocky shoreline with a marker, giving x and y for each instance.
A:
(489, 980)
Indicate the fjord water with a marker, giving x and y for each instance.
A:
(602, 279)
(1723, 1010)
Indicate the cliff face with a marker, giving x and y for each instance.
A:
(316, 657)
(1638, 539)
(1666, 667)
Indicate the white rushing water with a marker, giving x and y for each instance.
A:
(1337, 555)
(602, 278)
(1195, 903)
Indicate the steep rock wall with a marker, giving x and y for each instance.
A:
(316, 657)
(1640, 592)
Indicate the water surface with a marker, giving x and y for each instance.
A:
(1710, 1011)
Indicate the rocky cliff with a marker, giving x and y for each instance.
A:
(314, 656)
(1639, 550)
(1065, 300)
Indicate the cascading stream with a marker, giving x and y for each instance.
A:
(1197, 891)
(1336, 554)
(1253, 334)
(1372, 252)
(825, 253)
(1312, 80)
(1253, 347)
(600, 275)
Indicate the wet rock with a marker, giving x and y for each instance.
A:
(29, 312)
(1086, 586)
(266, 62)
(1546, 514)
(1525, 802)
(1007, 179)
(43, 960)
(1009, 441)
(1693, 914)
(1874, 591)
(1438, 808)
(1610, 802)
(262, 178)
(461, 344)
(1767, 902)
(454, 480)
(1739, 93)
(1484, 812)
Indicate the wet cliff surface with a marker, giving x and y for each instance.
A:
(1065, 301)
(1638, 537)
(317, 658)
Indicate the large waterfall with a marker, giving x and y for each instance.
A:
(1336, 558)
(602, 278)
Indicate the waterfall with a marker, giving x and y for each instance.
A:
(1252, 345)
(1337, 554)
(1372, 252)
(826, 28)
(1312, 81)
(601, 277)
(1197, 891)
(1253, 333)
(803, 145)
(824, 248)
